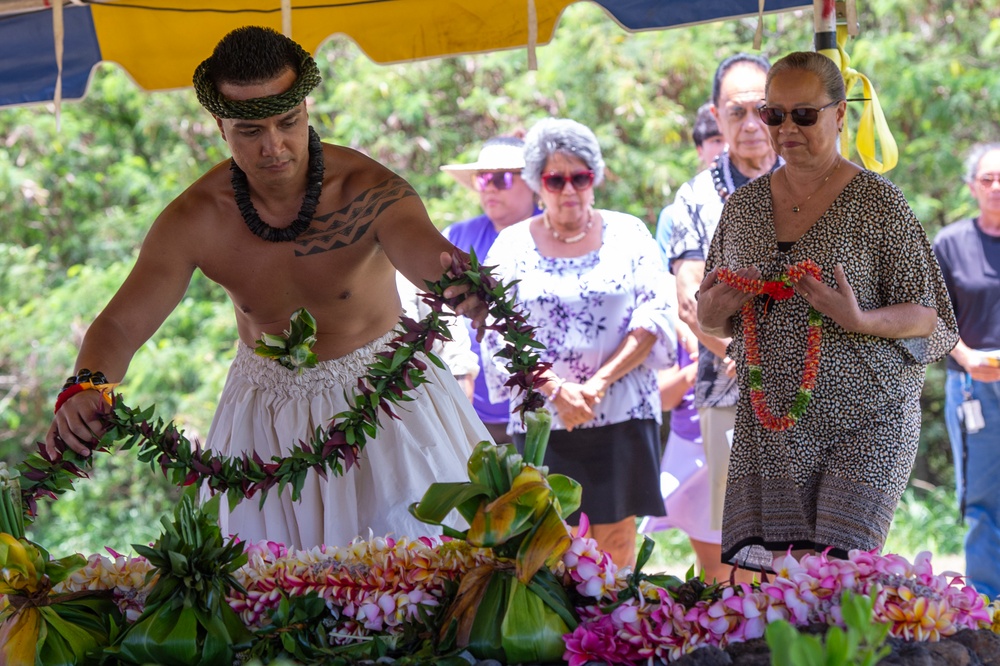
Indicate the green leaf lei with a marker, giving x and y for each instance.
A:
(333, 449)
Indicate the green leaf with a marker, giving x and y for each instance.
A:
(275, 341)
(536, 439)
(553, 593)
(399, 357)
(809, 651)
(61, 569)
(781, 636)
(838, 652)
(60, 632)
(568, 493)
(178, 562)
(161, 635)
(532, 631)
(485, 637)
(483, 454)
(441, 498)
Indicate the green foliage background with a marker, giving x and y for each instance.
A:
(76, 202)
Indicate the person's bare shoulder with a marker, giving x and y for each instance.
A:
(200, 217)
(208, 198)
(351, 175)
(361, 195)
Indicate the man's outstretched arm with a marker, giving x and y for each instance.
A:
(149, 294)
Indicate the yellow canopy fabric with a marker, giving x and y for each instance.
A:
(160, 42)
(170, 43)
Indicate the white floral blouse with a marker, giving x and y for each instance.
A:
(582, 309)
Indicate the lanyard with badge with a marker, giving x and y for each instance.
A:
(970, 418)
(970, 412)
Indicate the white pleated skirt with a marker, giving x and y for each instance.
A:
(268, 409)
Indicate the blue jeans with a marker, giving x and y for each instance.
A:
(977, 478)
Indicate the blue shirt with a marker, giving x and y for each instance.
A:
(970, 263)
(477, 234)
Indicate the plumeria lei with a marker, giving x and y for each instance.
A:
(916, 602)
(333, 449)
(385, 588)
(779, 290)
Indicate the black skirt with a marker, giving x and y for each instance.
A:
(618, 466)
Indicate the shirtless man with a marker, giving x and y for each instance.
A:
(258, 230)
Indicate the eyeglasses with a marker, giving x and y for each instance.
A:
(556, 182)
(502, 180)
(987, 179)
(803, 117)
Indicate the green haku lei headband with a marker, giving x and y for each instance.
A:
(261, 107)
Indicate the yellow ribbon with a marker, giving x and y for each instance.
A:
(105, 390)
(872, 123)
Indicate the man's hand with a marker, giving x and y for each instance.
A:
(983, 370)
(77, 424)
(980, 365)
(471, 306)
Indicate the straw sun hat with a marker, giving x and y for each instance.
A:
(500, 154)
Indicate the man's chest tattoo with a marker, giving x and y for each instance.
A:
(344, 227)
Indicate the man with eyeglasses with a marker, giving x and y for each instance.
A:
(506, 199)
(684, 481)
(737, 91)
(969, 254)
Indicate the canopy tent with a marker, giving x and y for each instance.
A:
(160, 42)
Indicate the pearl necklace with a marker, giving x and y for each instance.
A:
(569, 239)
(797, 208)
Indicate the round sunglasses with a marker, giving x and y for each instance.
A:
(803, 116)
(502, 180)
(556, 182)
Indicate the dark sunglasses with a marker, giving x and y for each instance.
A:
(803, 116)
(556, 182)
(502, 180)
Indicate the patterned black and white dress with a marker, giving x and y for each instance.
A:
(834, 478)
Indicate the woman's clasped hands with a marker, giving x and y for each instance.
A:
(575, 402)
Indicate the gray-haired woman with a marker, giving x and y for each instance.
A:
(592, 283)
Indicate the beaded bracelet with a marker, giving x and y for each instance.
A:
(555, 391)
(85, 375)
(85, 380)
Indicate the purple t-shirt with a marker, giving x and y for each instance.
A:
(684, 417)
(478, 234)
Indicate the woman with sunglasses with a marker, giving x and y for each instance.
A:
(505, 199)
(592, 283)
(831, 360)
